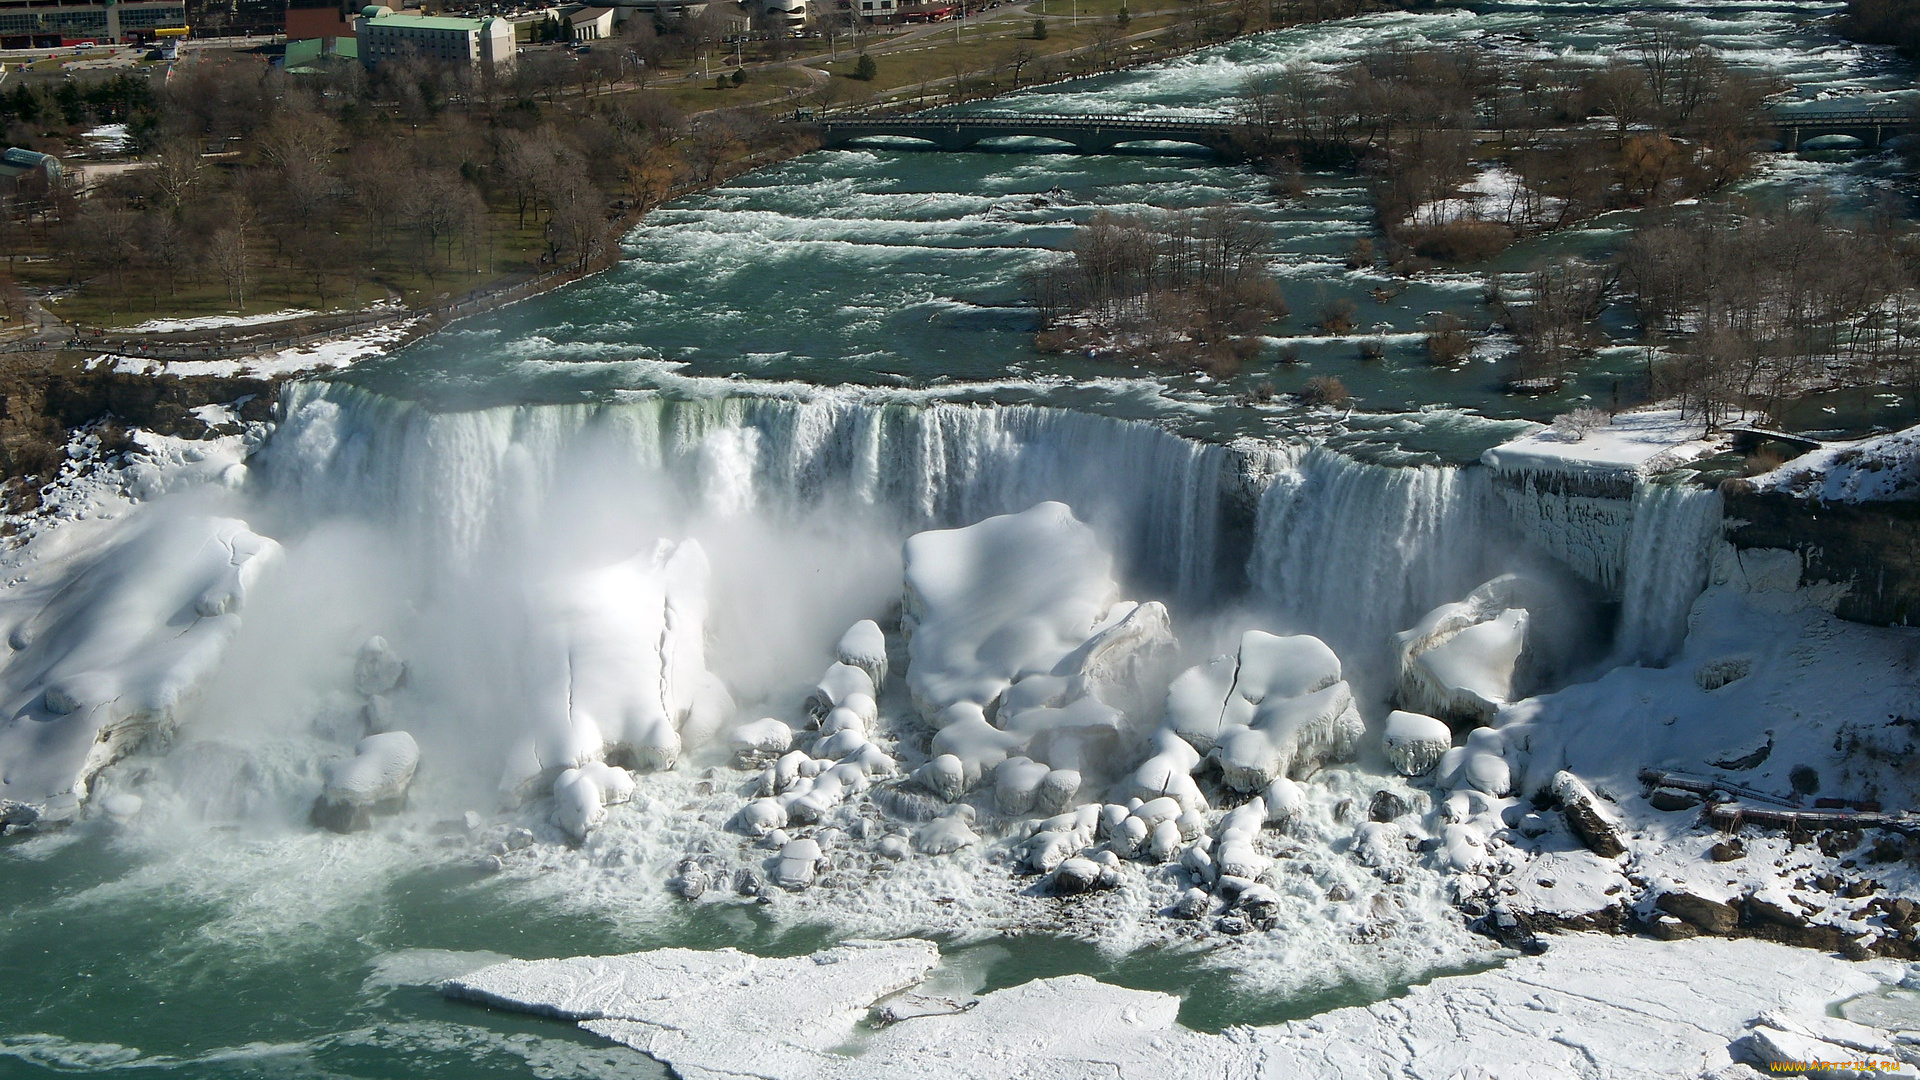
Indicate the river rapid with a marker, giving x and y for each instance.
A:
(799, 369)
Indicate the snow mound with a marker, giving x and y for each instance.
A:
(1882, 468)
(107, 661)
(1006, 597)
(1278, 707)
(374, 779)
(1638, 443)
(629, 681)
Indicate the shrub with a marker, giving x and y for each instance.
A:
(1039, 29)
(1373, 349)
(1325, 390)
(1448, 342)
(865, 69)
(1459, 241)
(1360, 255)
(1336, 316)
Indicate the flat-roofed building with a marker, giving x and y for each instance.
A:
(591, 24)
(384, 36)
(50, 24)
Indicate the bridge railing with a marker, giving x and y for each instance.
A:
(1017, 120)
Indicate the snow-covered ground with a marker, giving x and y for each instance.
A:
(319, 356)
(1868, 470)
(1592, 1007)
(1495, 193)
(1641, 442)
(215, 322)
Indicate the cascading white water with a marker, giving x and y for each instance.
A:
(1668, 553)
(451, 480)
(1353, 552)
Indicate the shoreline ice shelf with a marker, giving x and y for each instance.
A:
(1593, 1007)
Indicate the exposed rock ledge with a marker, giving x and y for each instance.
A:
(1593, 1007)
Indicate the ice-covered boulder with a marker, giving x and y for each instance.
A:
(1209, 699)
(1461, 661)
(999, 599)
(1277, 707)
(865, 647)
(1167, 771)
(377, 669)
(110, 656)
(760, 741)
(1485, 764)
(1291, 736)
(947, 834)
(797, 864)
(1414, 742)
(840, 683)
(374, 780)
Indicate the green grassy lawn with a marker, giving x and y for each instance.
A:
(143, 295)
(1095, 8)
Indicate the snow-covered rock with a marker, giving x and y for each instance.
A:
(947, 834)
(991, 602)
(864, 646)
(1880, 468)
(374, 780)
(1414, 742)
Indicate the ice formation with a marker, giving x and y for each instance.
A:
(1005, 598)
(1461, 662)
(103, 660)
(627, 682)
(1277, 708)
(1414, 742)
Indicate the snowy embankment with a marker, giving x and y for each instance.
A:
(316, 356)
(1598, 1008)
(1638, 443)
(1882, 468)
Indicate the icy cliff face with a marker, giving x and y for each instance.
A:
(105, 658)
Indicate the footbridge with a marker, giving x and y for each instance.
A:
(1873, 127)
(1121, 134)
(1085, 134)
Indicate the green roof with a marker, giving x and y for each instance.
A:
(431, 22)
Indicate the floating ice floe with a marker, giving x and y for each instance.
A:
(1592, 1006)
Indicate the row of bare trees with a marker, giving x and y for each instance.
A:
(1666, 119)
(1187, 287)
(311, 188)
(1766, 303)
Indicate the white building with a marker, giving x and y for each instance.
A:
(591, 24)
(385, 36)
